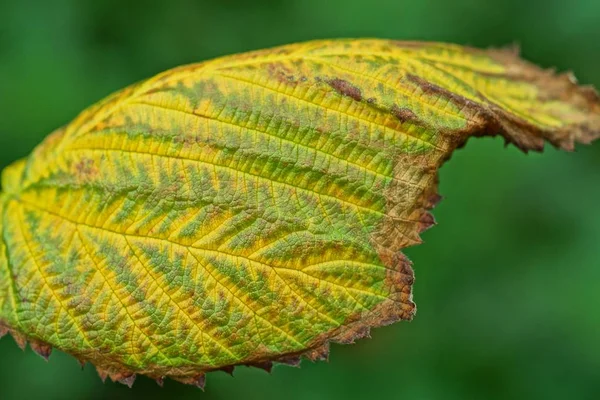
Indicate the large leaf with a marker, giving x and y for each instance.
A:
(252, 209)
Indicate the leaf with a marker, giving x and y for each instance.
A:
(252, 209)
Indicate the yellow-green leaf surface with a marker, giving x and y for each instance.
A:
(252, 208)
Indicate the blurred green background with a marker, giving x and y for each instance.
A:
(508, 284)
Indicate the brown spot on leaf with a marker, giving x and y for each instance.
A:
(435, 90)
(345, 88)
(405, 115)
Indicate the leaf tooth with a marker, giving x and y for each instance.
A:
(21, 340)
(434, 200)
(201, 381)
(127, 380)
(3, 331)
(81, 362)
(352, 335)
(292, 361)
(426, 220)
(264, 365)
(320, 353)
(160, 381)
(102, 374)
(198, 380)
(42, 349)
(227, 369)
(122, 376)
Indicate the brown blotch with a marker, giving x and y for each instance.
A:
(345, 88)
(481, 120)
(433, 89)
(405, 114)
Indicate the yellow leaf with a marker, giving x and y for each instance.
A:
(252, 209)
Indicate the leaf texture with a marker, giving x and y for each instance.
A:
(252, 209)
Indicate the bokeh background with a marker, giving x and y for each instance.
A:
(508, 283)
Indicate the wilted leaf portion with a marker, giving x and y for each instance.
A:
(252, 208)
